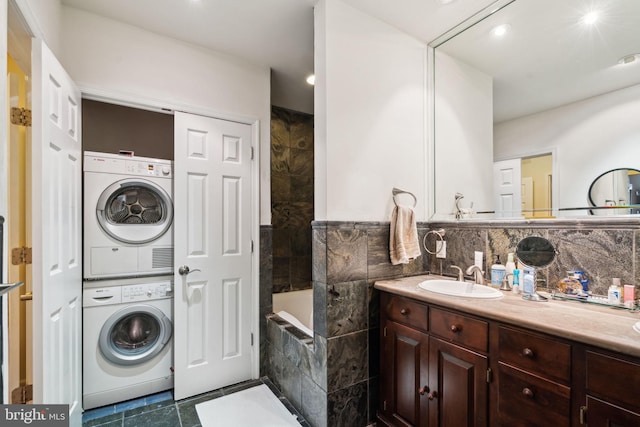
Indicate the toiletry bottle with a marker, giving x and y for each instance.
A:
(497, 272)
(614, 292)
(528, 276)
(516, 281)
(510, 266)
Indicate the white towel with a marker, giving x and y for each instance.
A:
(403, 244)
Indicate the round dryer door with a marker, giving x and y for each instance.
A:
(134, 334)
(134, 211)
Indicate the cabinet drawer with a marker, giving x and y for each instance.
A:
(543, 356)
(613, 379)
(460, 329)
(407, 311)
(525, 399)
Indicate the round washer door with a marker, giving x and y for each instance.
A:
(134, 334)
(134, 211)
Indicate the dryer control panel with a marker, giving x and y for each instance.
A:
(147, 291)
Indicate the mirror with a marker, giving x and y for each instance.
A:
(535, 252)
(558, 82)
(615, 192)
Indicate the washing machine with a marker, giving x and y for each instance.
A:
(127, 339)
(128, 216)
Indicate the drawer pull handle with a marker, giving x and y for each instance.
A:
(432, 395)
(404, 311)
(527, 392)
(527, 352)
(455, 328)
(423, 390)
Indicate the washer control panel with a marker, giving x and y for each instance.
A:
(147, 291)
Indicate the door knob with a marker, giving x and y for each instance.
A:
(184, 270)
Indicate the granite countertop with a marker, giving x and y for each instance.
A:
(601, 326)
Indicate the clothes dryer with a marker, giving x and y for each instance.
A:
(127, 339)
(128, 216)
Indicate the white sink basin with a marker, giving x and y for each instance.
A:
(460, 289)
(636, 327)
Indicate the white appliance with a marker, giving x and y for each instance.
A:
(128, 216)
(127, 339)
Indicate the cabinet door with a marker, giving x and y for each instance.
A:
(403, 372)
(601, 413)
(458, 382)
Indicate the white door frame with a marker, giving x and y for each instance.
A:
(169, 107)
(555, 182)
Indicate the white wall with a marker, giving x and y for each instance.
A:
(370, 115)
(112, 59)
(591, 137)
(43, 16)
(463, 136)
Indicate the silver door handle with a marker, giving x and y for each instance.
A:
(184, 270)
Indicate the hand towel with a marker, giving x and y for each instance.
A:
(403, 244)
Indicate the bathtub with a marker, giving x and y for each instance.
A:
(296, 307)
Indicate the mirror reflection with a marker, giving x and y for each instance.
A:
(616, 192)
(558, 85)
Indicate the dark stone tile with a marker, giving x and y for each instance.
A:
(347, 308)
(148, 408)
(314, 402)
(280, 158)
(347, 360)
(291, 382)
(461, 245)
(346, 255)
(320, 308)
(503, 241)
(280, 128)
(281, 242)
(301, 132)
(281, 274)
(163, 417)
(316, 357)
(300, 214)
(300, 272)
(107, 420)
(187, 408)
(280, 187)
(301, 162)
(301, 188)
(319, 254)
(281, 214)
(601, 254)
(348, 407)
(300, 241)
(378, 262)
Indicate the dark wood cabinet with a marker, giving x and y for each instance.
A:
(440, 367)
(458, 386)
(612, 388)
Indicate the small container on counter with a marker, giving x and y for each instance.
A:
(516, 281)
(629, 295)
(614, 292)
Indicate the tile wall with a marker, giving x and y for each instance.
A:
(333, 378)
(291, 198)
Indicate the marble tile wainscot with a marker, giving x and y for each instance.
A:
(602, 248)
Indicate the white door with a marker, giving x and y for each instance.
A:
(527, 196)
(506, 188)
(212, 303)
(56, 234)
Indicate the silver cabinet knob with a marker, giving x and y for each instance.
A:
(184, 270)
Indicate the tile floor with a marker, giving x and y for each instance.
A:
(160, 410)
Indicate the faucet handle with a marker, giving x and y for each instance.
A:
(505, 282)
(460, 274)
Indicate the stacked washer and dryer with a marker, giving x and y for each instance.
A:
(128, 278)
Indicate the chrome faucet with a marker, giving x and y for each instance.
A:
(460, 275)
(478, 278)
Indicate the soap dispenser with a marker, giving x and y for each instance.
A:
(510, 266)
(497, 272)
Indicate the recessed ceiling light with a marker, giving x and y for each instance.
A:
(628, 59)
(501, 30)
(311, 79)
(591, 17)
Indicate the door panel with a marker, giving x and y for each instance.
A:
(507, 188)
(213, 238)
(56, 231)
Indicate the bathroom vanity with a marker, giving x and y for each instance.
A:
(453, 361)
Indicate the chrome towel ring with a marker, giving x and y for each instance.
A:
(440, 236)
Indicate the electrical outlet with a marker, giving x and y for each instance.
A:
(478, 258)
(441, 249)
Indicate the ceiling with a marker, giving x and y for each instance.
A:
(273, 33)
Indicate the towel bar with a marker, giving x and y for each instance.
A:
(397, 191)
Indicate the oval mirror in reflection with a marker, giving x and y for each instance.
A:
(617, 187)
(535, 251)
